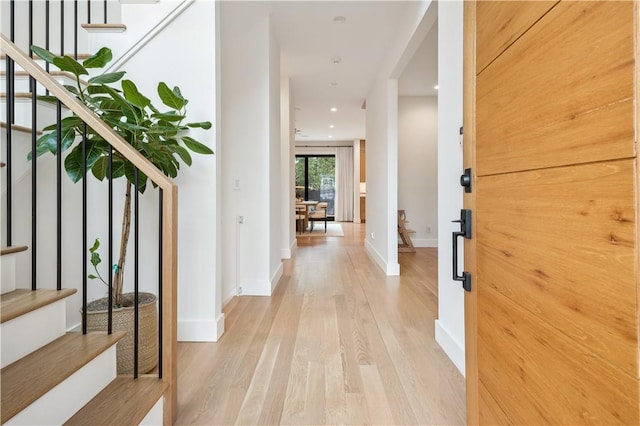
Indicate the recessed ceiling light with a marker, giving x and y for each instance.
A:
(333, 109)
(435, 87)
(331, 126)
(339, 19)
(330, 136)
(336, 60)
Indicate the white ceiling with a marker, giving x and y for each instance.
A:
(309, 39)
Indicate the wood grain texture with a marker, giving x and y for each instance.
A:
(29, 378)
(337, 343)
(126, 401)
(20, 302)
(527, 119)
(584, 216)
(529, 364)
(469, 202)
(13, 249)
(502, 23)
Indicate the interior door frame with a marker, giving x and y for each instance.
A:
(469, 202)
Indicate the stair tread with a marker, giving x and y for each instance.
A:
(3, 56)
(19, 128)
(116, 26)
(20, 302)
(12, 249)
(27, 379)
(132, 397)
(51, 72)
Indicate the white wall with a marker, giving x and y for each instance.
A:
(382, 138)
(251, 156)
(418, 166)
(287, 167)
(450, 323)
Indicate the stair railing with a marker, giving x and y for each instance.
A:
(167, 199)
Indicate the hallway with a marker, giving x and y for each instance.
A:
(338, 343)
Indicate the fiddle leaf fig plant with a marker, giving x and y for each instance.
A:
(160, 134)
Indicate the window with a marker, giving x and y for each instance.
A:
(316, 179)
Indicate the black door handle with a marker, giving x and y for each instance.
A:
(465, 231)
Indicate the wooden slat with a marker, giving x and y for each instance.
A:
(126, 401)
(27, 379)
(526, 363)
(502, 23)
(17, 95)
(18, 128)
(55, 73)
(114, 28)
(527, 120)
(584, 216)
(20, 302)
(12, 249)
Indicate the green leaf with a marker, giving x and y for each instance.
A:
(73, 162)
(95, 258)
(101, 58)
(168, 116)
(196, 146)
(203, 125)
(111, 77)
(91, 277)
(72, 89)
(48, 99)
(97, 89)
(95, 246)
(132, 94)
(169, 98)
(66, 63)
(183, 153)
(127, 109)
(129, 171)
(100, 167)
(44, 54)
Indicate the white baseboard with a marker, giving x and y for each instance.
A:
(287, 253)
(425, 242)
(275, 279)
(204, 330)
(390, 269)
(451, 346)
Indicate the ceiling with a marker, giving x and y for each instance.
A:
(332, 62)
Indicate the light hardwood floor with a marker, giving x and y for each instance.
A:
(338, 343)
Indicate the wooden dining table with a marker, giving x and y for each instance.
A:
(305, 205)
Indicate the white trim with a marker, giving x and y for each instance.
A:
(200, 330)
(275, 279)
(425, 242)
(288, 253)
(155, 415)
(390, 269)
(451, 346)
(118, 63)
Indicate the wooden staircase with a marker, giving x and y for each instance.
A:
(51, 375)
(69, 378)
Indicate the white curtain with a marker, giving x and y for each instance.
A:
(344, 184)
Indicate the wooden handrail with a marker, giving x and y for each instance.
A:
(88, 116)
(169, 208)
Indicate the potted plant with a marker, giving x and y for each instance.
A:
(160, 136)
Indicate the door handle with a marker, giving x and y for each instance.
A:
(465, 231)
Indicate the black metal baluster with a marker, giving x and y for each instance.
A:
(135, 275)
(105, 11)
(61, 27)
(75, 29)
(46, 34)
(12, 12)
(34, 184)
(110, 254)
(11, 70)
(59, 193)
(160, 306)
(88, 11)
(10, 83)
(30, 27)
(84, 228)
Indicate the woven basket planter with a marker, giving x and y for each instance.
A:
(97, 316)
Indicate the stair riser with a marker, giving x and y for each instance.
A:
(64, 400)
(155, 415)
(23, 85)
(8, 265)
(45, 325)
(21, 167)
(45, 114)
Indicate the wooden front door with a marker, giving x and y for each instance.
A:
(550, 134)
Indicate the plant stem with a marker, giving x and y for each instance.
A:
(126, 228)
